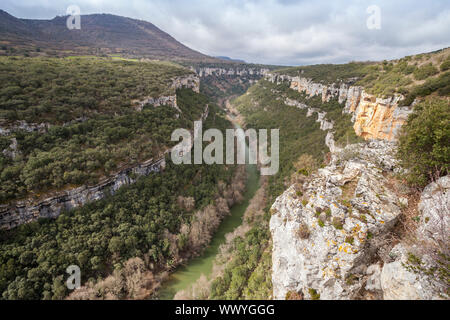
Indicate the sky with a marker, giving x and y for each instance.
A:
(281, 32)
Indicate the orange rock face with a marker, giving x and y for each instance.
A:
(374, 118)
(377, 118)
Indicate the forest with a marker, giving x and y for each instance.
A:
(142, 221)
(58, 90)
(85, 152)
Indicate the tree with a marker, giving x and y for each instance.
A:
(423, 145)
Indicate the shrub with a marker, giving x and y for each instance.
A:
(314, 294)
(337, 223)
(425, 71)
(350, 240)
(321, 223)
(303, 231)
(445, 65)
(423, 144)
(292, 295)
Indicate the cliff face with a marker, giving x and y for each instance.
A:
(321, 239)
(22, 212)
(332, 235)
(373, 117)
(328, 235)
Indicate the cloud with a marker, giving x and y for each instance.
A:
(284, 32)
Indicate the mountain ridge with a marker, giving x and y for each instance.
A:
(99, 34)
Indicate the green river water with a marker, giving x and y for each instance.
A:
(188, 274)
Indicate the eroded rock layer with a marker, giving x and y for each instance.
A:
(373, 117)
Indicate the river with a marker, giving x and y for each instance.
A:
(186, 275)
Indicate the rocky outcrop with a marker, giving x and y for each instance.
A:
(12, 151)
(322, 233)
(7, 129)
(190, 82)
(26, 211)
(327, 233)
(373, 117)
(170, 101)
(411, 274)
(398, 282)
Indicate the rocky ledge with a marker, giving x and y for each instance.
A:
(374, 117)
(326, 233)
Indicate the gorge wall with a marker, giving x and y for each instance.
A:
(373, 117)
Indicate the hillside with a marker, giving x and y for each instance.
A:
(100, 34)
(83, 161)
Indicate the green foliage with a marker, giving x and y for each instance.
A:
(445, 65)
(423, 147)
(85, 152)
(337, 223)
(350, 240)
(104, 234)
(329, 73)
(320, 223)
(314, 294)
(439, 85)
(343, 126)
(299, 134)
(425, 71)
(247, 276)
(60, 90)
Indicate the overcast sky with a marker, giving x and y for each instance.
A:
(285, 32)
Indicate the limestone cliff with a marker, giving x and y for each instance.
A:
(373, 117)
(190, 82)
(328, 232)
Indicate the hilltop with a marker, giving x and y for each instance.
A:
(100, 34)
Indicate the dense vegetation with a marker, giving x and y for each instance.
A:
(60, 90)
(102, 236)
(343, 127)
(412, 76)
(84, 152)
(424, 144)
